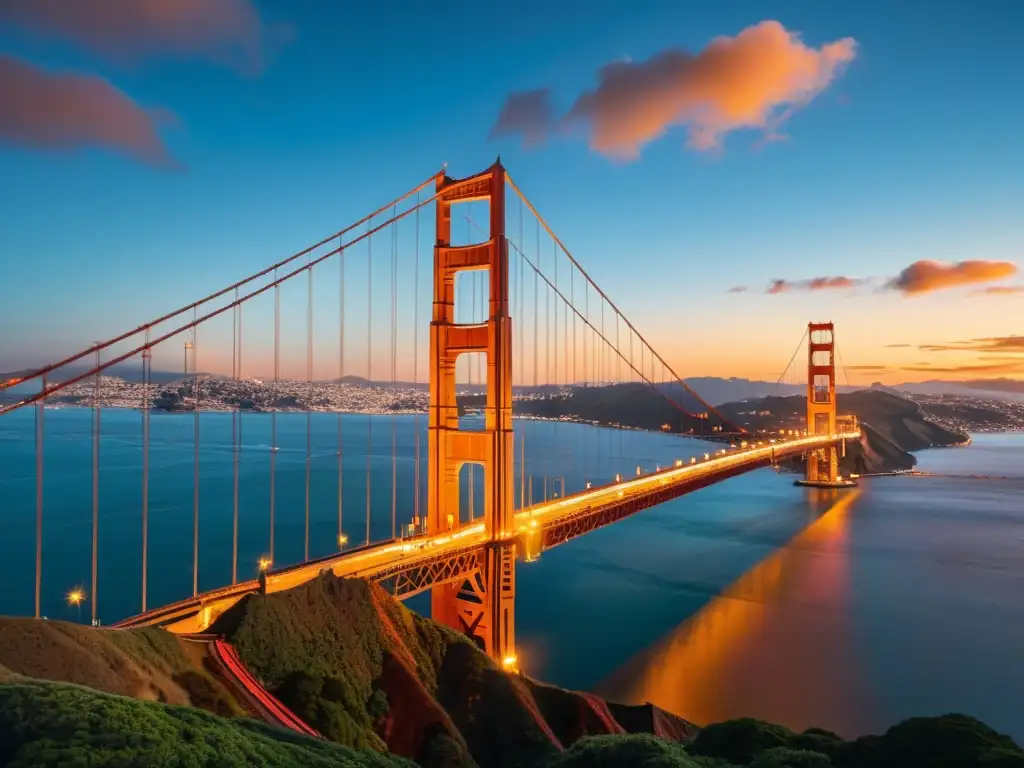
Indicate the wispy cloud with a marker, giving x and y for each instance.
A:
(1016, 367)
(1000, 290)
(926, 276)
(738, 289)
(813, 284)
(228, 31)
(991, 344)
(897, 346)
(752, 80)
(67, 111)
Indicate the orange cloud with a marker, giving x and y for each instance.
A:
(926, 276)
(813, 284)
(225, 30)
(752, 80)
(62, 110)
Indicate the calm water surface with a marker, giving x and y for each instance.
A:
(847, 611)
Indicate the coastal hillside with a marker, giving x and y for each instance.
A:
(389, 689)
(366, 672)
(148, 664)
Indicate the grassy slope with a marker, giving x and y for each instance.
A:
(53, 724)
(144, 663)
(369, 673)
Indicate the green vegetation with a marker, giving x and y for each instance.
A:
(375, 679)
(52, 724)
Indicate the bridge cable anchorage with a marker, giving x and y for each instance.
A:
(542, 222)
(102, 345)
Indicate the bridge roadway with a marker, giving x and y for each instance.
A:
(417, 563)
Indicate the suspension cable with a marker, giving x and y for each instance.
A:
(262, 273)
(583, 272)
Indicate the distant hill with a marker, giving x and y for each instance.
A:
(1010, 389)
(893, 426)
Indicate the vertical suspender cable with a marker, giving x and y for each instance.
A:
(95, 490)
(341, 381)
(309, 400)
(195, 459)
(234, 446)
(273, 409)
(147, 367)
(39, 499)
(369, 371)
(416, 371)
(520, 325)
(394, 362)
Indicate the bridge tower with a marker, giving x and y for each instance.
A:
(481, 606)
(823, 464)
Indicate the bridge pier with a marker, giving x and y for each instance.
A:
(483, 605)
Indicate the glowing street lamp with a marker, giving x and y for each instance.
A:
(75, 597)
(342, 540)
(264, 564)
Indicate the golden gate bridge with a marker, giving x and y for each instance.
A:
(570, 340)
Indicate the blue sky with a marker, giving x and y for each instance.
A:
(911, 153)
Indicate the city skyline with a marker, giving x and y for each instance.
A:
(756, 167)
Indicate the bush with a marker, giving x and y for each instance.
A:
(740, 741)
(634, 750)
(55, 724)
(784, 757)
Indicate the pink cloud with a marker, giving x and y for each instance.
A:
(229, 31)
(67, 111)
(813, 284)
(752, 80)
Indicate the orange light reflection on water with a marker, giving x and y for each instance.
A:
(776, 644)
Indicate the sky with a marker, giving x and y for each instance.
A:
(726, 172)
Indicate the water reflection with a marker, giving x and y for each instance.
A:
(775, 644)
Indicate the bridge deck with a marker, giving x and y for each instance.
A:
(435, 559)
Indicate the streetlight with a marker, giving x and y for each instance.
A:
(265, 563)
(75, 597)
(342, 540)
